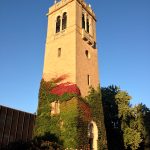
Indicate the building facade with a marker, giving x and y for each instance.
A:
(70, 48)
(15, 125)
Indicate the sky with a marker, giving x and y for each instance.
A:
(123, 40)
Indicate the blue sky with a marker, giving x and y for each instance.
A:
(123, 38)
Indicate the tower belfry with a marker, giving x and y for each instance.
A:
(71, 44)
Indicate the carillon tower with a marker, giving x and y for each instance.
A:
(70, 48)
(71, 62)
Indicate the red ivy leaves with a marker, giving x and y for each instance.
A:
(86, 110)
(67, 87)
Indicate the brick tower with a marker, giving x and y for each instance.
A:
(70, 52)
(71, 44)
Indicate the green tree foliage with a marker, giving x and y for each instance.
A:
(131, 121)
(112, 122)
(128, 124)
(145, 145)
(122, 99)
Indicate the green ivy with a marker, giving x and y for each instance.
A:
(95, 101)
(69, 128)
(69, 114)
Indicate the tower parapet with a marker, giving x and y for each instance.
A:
(59, 4)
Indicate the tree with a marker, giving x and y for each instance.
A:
(112, 122)
(145, 145)
(130, 125)
(131, 121)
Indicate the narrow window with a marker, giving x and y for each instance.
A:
(83, 21)
(87, 24)
(88, 79)
(59, 52)
(58, 21)
(87, 54)
(64, 21)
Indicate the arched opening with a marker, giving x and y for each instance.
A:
(58, 21)
(64, 21)
(92, 135)
(87, 25)
(83, 21)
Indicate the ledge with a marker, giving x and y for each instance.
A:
(87, 37)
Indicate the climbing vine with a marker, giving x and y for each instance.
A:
(95, 101)
(69, 128)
